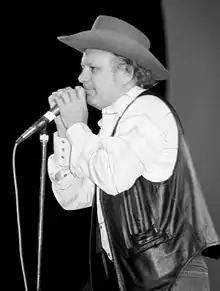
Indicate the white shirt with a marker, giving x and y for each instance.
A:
(145, 143)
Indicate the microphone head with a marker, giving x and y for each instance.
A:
(55, 110)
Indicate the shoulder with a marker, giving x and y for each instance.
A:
(149, 104)
(151, 108)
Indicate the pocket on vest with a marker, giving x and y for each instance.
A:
(149, 239)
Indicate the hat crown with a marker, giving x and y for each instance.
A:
(120, 27)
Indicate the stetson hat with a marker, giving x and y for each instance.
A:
(117, 36)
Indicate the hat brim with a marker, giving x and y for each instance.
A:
(118, 44)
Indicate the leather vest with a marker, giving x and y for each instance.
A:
(156, 228)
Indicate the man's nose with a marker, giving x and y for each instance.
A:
(83, 77)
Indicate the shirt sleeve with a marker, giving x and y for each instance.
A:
(114, 163)
(72, 191)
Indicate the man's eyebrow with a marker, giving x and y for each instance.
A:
(83, 64)
(88, 64)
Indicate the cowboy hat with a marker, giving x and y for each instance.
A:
(117, 36)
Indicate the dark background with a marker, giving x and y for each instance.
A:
(40, 65)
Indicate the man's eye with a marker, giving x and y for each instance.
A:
(92, 69)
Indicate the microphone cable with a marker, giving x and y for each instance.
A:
(18, 219)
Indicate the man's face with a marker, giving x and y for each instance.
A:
(102, 84)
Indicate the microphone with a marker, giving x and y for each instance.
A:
(40, 123)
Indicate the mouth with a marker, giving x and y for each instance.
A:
(90, 91)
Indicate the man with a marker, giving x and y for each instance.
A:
(150, 225)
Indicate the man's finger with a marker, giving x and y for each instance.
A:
(52, 99)
(80, 92)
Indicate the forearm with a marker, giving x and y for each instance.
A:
(71, 190)
(107, 162)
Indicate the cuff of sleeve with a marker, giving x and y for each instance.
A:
(78, 135)
(61, 150)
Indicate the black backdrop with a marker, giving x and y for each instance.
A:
(40, 64)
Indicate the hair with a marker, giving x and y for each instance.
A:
(142, 77)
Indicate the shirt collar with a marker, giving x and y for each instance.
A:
(120, 104)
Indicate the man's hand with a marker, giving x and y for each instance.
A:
(72, 105)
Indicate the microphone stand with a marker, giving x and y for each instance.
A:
(44, 140)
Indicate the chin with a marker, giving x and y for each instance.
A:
(92, 103)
